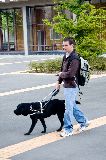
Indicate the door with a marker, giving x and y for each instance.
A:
(41, 40)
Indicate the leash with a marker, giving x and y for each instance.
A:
(53, 93)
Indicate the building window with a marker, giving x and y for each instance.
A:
(54, 35)
(11, 30)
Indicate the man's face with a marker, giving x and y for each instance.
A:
(67, 47)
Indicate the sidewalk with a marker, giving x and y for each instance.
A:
(98, 75)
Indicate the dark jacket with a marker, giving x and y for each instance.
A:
(69, 71)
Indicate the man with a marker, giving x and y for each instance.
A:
(69, 77)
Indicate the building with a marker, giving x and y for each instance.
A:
(22, 29)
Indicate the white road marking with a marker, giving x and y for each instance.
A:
(33, 143)
(26, 61)
(2, 58)
(43, 59)
(25, 90)
(12, 73)
(25, 72)
(35, 60)
(98, 76)
(2, 64)
(34, 88)
(17, 62)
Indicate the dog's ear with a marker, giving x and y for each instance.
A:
(19, 106)
(25, 109)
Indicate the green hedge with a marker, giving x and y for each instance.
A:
(97, 64)
(49, 66)
(53, 66)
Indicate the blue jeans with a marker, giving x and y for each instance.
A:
(72, 110)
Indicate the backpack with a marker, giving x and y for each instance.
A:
(84, 70)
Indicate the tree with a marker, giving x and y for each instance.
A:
(88, 27)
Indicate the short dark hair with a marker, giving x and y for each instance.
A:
(70, 40)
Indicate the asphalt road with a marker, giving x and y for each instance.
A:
(89, 145)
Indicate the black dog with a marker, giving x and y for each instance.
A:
(55, 106)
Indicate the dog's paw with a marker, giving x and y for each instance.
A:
(58, 130)
(27, 134)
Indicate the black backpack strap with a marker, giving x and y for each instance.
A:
(72, 57)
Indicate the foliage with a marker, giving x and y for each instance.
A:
(49, 66)
(7, 19)
(7, 15)
(97, 64)
(53, 66)
(88, 27)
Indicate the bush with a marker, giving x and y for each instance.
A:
(53, 66)
(97, 63)
(49, 66)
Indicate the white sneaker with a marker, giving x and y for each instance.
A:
(82, 128)
(66, 134)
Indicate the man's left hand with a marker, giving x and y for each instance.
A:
(59, 73)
